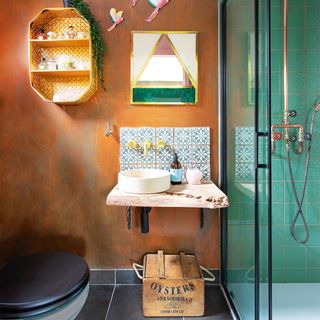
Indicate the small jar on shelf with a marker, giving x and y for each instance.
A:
(41, 34)
(43, 63)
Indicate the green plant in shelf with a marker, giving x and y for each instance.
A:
(98, 43)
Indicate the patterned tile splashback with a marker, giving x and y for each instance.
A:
(191, 144)
(244, 153)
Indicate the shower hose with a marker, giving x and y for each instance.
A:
(299, 212)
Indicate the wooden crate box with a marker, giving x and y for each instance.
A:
(173, 285)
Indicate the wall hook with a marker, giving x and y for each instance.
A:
(108, 131)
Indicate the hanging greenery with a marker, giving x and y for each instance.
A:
(98, 43)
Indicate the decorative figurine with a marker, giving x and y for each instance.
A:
(81, 35)
(41, 35)
(116, 18)
(134, 2)
(70, 33)
(52, 35)
(61, 36)
(157, 4)
(65, 62)
(42, 65)
(52, 65)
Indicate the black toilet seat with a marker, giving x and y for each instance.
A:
(38, 283)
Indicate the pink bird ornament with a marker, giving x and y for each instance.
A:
(116, 18)
(134, 2)
(157, 4)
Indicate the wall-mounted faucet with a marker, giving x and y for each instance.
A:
(286, 112)
(144, 148)
(147, 145)
(275, 136)
(132, 144)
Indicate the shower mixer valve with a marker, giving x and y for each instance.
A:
(292, 113)
(307, 136)
(293, 138)
(277, 136)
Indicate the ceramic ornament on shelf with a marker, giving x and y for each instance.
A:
(134, 2)
(157, 4)
(116, 18)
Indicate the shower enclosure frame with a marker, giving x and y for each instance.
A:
(257, 166)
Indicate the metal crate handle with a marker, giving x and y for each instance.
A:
(212, 277)
(137, 268)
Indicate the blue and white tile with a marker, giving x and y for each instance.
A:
(144, 165)
(165, 134)
(201, 154)
(128, 155)
(185, 153)
(244, 171)
(205, 169)
(128, 134)
(182, 136)
(164, 155)
(163, 166)
(201, 135)
(146, 134)
(244, 153)
(150, 158)
(128, 166)
(244, 135)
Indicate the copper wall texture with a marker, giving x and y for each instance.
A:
(56, 164)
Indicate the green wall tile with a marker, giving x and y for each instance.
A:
(295, 257)
(276, 39)
(312, 20)
(314, 231)
(295, 276)
(278, 257)
(313, 275)
(276, 61)
(290, 211)
(297, 82)
(278, 235)
(278, 214)
(296, 60)
(313, 40)
(277, 170)
(277, 275)
(296, 39)
(278, 191)
(314, 3)
(313, 257)
(313, 213)
(296, 18)
(313, 191)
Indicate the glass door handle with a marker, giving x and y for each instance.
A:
(261, 134)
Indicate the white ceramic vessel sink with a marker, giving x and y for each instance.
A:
(144, 181)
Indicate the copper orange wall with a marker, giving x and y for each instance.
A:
(56, 164)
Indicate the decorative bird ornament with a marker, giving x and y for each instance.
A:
(116, 18)
(157, 4)
(134, 2)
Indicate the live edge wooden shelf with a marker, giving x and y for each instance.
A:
(205, 196)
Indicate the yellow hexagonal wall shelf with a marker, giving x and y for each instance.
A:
(61, 64)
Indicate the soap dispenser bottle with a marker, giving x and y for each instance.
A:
(175, 171)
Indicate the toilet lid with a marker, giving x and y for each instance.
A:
(41, 279)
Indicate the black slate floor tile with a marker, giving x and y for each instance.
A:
(127, 304)
(97, 303)
(127, 277)
(102, 276)
(216, 307)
